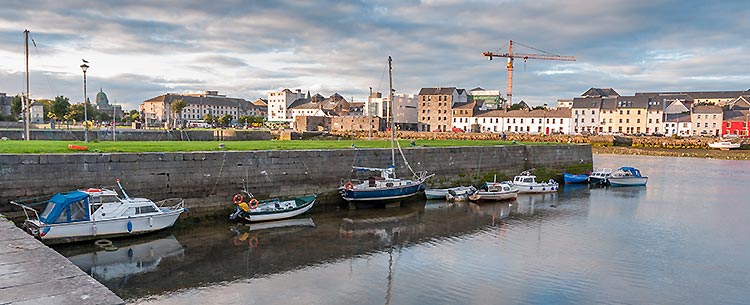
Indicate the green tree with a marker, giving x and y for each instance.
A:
(226, 119)
(177, 106)
(244, 119)
(59, 108)
(209, 118)
(133, 116)
(75, 113)
(516, 107)
(15, 106)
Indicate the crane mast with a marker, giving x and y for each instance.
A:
(525, 56)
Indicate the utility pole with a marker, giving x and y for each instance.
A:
(26, 105)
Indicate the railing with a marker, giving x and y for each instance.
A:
(26, 210)
(171, 203)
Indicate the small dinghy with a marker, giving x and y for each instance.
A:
(251, 209)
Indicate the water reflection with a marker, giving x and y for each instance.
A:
(132, 257)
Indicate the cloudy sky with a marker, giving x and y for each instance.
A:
(141, 48)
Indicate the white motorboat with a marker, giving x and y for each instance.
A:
(495, 191)
(98, 213)
(600, 176)
(461, 194)
(526, 184)
(627, 176)
(443, 193)
(724, 145)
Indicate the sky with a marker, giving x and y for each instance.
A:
(140, 49)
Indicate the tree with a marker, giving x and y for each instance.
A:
(177, 106)
(59, 108)
(516, 107)
(225, 120)
(15, 106)
(209, 118)
(133, 116)
(244, 119)
(75, 113)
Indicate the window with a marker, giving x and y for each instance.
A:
(638, 121)
(592, 120)
(628, 112)
(593, 112)
(639, 112)
(697, 125)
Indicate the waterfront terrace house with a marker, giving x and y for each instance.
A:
(279, 102)
(435, 105)
(464, 117)
(157, 110)
(707, 120)
(632, 114)
(736, 119)
(585, 114)
(609, 117)
(678, 124)
(655, 117)
(540, 121)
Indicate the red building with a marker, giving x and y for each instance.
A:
(735, 123)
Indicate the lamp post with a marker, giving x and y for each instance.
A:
(85, 67)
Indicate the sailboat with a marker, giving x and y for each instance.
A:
(386, 186)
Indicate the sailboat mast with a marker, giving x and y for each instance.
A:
(390, 110)
(26, 105)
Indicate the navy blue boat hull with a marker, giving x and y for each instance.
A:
(393, 193)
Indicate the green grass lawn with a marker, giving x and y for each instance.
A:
(46, 147)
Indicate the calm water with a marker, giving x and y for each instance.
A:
(681, 240)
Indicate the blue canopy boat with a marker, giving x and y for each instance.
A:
(571, 178)
(627, 176)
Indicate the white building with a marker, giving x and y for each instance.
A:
(678, 124)
(585, 114)
(158, 110)
(518, 121)
(279, 102)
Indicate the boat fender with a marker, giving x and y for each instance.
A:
(253, 242)
(130, 227)
(238, 198)
(349, 186)
(44, 231)
(102, 243)
(544, 189)
(244, 207)
(531, 187)
(253, 203)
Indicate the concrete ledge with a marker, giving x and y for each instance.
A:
(32, 273)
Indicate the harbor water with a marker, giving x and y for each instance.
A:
(680, 240)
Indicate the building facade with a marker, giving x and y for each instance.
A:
(279, 102)
(707, 120)
(158, 111)
(435, 105)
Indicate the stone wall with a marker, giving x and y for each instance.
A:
(208, 180)
(141, 135)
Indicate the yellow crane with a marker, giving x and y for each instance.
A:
(511, 56)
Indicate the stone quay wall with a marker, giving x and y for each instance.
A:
(208, 180)
(140, 135)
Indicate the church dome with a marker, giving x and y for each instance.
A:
(101, 98)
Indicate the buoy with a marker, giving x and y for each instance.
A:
(102, 243)
(130, 227)
(77, 147)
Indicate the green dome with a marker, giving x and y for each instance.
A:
(101, 98)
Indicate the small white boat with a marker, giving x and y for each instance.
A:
(724, 145)
(600, 176)
(495, 191)
(442, 193)
(271, 209)
(627, 176)
(98, 213)
(460, 194)
(526, 184)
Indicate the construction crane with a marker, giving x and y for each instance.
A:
(511, 56)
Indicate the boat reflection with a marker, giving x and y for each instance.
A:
(247, 234)
(382, 227)
(527, 204)
(134, 257)
(627, 192)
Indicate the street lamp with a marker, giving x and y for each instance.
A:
(85, 67)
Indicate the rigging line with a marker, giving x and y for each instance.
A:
(221, 169)
(404, 157)
(36, 49)
(535, 49)
(382, 76)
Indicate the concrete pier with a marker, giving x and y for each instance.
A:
(32, 273)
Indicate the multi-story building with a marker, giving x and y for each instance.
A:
(706, 120)
(465, 116)
(655, 117)
(719, 98)
(158, 110)
(632, 114)
(405, 108)
(523, 121)
(678, 124)
(491, 99)
(609, 116)
(585, 114)
(435, 105)
(279, 102)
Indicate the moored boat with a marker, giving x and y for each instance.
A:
(627, 176)
(270, 209)
(460, 194)
(526, 184)
(573, 178)
(600, 176)
(495, 191)
(442, 193)
(724, 145)
(98, 213)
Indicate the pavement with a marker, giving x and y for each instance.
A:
(32, 273)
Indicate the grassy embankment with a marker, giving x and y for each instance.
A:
(48, 147)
